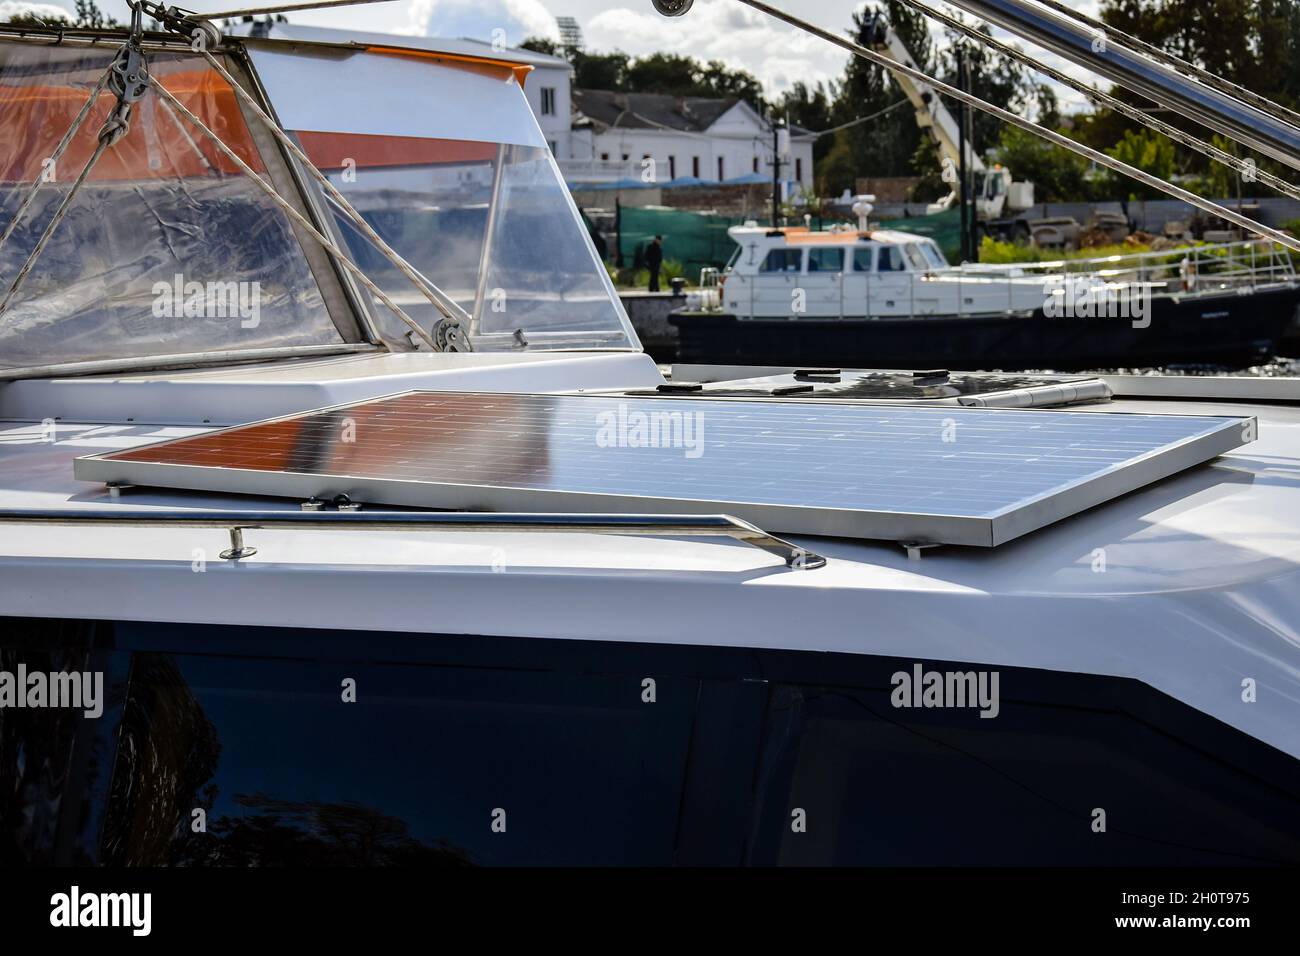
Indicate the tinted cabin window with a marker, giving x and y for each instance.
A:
(249, 724)
(862, 257)
(782, 260)
(890, 259)
(881, 785)
(825, 260)
(577, 768)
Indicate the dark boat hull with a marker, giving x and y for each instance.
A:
(1229, 330)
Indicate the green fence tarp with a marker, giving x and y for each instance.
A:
(695, 239)
(943, 227)
(699, 239)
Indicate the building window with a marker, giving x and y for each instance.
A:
(672, 167)
(720, 175)
(798, 169)
(604, 157)
(551, 143)
(755, 164)
(548, 101)
(626, 157)
(695, 166)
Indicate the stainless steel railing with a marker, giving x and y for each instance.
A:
(237, 522)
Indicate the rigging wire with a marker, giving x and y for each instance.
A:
(1244, 167)
(1052, 136)
(294, 214)
(444, 303)
(1205, 76)
(55, 156)
(860, 119)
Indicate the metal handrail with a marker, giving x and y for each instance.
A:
(237, 522)
(1204, 252)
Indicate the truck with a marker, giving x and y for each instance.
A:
(1001, 201)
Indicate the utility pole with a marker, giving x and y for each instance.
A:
(776, 173)
(973, 188)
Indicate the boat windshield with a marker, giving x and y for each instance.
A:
(170, 249)
(935, 255)
(445, 160)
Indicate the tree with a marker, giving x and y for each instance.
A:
(92, 18)
(1149, 152)
(599, 71)
(541, 45)
(885, 146)
(662, 73)
(893, 144)
(717, 79)
(1057, 174)
(1254, 43)
(811, 109)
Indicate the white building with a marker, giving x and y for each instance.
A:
(615, 135)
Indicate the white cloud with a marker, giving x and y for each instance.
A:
(777, 54)
(720, 30)
(480, 19)
(46, 11)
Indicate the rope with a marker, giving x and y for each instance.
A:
(56, 156)
(339, 256)
(104, 143)
(444, 303)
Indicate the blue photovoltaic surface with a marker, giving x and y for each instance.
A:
(883, 459)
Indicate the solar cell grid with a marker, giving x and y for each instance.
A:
(957, 475)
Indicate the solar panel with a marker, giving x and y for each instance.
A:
(950, 475)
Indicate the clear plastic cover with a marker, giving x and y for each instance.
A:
(167, 248)
(491, 225)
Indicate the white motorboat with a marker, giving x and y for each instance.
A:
(875, 296)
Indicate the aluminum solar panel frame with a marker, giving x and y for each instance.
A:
(944, 475)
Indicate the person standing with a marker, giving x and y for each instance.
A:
(654, 260)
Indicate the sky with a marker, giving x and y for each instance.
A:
(724, 30)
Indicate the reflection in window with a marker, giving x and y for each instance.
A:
(862, 258)
(414, 774)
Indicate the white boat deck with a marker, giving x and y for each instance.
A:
(1200, 587)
